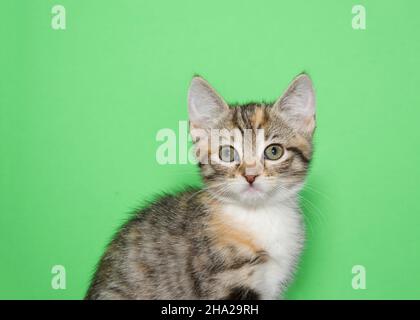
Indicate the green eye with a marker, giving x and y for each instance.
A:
(228, 154)
(273, 152)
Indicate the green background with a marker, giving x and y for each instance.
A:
(80, 109)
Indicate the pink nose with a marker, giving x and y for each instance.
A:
(250, 179)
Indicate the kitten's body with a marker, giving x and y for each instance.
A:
(281, 241)
(239, 237)
(239, 252)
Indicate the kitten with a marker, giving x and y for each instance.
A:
(240, 236)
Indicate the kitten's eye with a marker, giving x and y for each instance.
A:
(228, 154)
(273, 152)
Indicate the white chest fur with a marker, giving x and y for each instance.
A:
(277, 229)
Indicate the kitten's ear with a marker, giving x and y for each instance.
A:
(297, 105)
(205, 106)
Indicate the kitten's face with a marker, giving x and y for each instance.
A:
(256, 153)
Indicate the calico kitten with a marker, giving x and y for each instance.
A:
(241, 235)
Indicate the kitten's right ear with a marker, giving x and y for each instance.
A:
(205, 106)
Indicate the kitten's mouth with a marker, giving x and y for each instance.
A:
(252, 190)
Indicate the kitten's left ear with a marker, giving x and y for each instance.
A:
(297, 105)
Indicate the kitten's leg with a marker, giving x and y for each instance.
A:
(242, 293)
(237, 282)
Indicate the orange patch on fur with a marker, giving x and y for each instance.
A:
(225, 234)
(258, 118)
(302, 144)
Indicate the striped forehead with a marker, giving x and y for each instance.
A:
(255, 116)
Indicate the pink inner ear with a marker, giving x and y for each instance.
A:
(310, 124)
(297, 105)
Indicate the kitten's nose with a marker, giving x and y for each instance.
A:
(250, 179)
